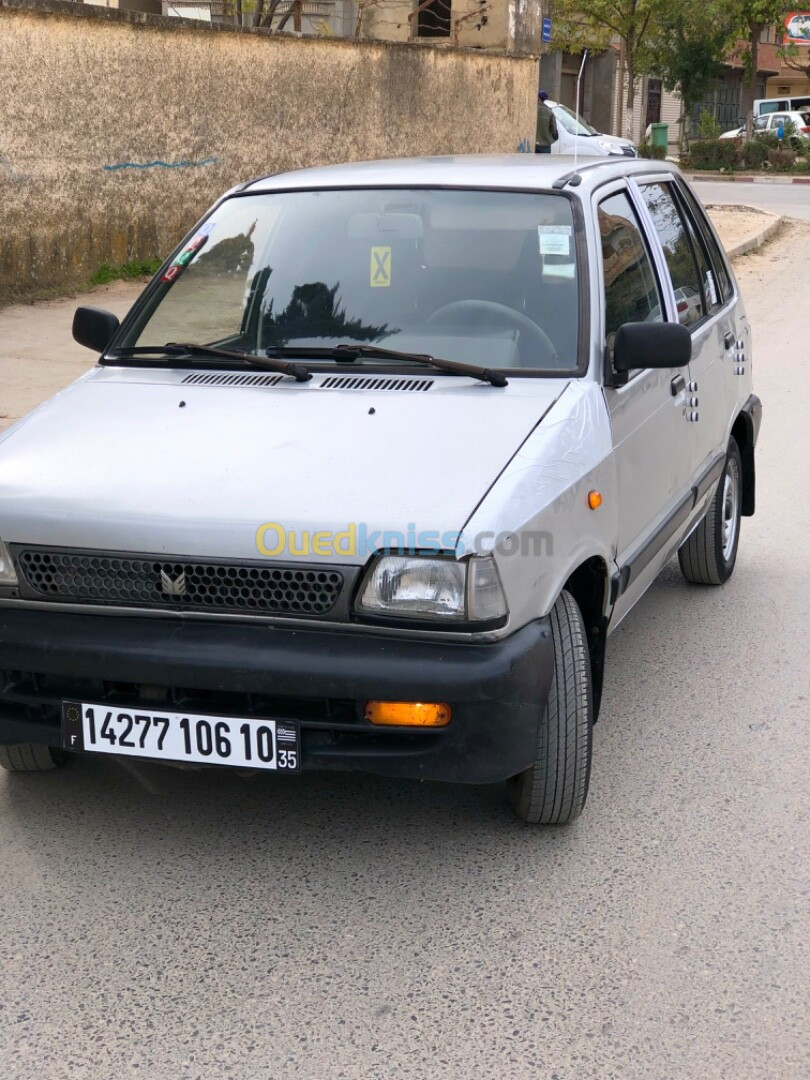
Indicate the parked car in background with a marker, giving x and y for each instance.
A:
(576, 134)
(796, 125)
(688, 304)
(370, 472)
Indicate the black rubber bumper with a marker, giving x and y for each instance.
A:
(497, 691)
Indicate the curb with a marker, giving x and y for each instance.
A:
(753, 243)
(733, 178)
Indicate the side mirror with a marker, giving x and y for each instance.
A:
(94, 328)
(651, 345)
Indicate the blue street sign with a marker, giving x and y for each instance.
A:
(546, 30)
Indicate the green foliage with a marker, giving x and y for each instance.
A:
(750, 18)
(796, 57)
(687, 45)
(714, 154)
(755, 154)
(128, 271)
(656, 153)
(708, 128)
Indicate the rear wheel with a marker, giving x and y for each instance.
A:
(31, 757)
(709, 555)
(553, 790)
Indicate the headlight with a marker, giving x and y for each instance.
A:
(442, 589)
(8, 575)
(611, 148)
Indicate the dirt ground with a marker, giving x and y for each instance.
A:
(737, 223)
(38, 355)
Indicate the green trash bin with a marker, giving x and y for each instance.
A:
(660, 133)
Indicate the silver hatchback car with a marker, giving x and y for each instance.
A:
(371, 471)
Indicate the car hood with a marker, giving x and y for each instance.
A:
(615, 140)
(138, 460)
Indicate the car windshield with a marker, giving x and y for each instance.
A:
(572, 123)
(483, 277)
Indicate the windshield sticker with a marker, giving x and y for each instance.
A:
(554, 239)
(186, 255)
(380, 267)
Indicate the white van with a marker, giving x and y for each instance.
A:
(762, 106)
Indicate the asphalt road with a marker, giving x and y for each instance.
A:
(162, 925)
(792, 200)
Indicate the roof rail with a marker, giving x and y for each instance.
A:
(574, 177)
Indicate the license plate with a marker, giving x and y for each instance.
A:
(246, 743)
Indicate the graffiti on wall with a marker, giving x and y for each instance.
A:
(159, 164)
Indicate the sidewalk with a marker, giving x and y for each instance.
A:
(739, 178)
(743, 228)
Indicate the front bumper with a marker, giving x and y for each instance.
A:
(320, 679)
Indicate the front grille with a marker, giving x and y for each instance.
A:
(184, 584)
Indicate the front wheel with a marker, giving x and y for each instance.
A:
(31, 757)
(553, 790)
(709, 554)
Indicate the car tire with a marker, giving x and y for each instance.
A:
(553, 790)
(710, 552)
(31, 757)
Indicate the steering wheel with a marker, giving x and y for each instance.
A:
(467, 307)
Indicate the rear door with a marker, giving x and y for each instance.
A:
(704, 305)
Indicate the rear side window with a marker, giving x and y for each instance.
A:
(678, 252)
(631, 289)
(716, 257)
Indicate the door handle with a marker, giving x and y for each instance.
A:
(729, 340)
(677, 385)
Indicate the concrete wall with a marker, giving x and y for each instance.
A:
(119, 129)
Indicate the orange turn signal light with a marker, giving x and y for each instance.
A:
(594, 500)
(408, 713)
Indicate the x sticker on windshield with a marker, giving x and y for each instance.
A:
(380, 267)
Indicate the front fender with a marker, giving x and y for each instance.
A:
(536, 520)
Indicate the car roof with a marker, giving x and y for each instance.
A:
(508, 171)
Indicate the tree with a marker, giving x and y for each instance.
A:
(751, 18)
(595, 23)
(687, 46)
(797, 57)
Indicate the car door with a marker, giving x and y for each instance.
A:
(710, 319)
(650, 439)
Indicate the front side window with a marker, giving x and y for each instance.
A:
(481, 277)
(631, 290)
(678, 252)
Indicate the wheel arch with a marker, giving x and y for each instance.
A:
(744, 434)
(589, 585)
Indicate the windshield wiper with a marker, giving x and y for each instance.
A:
(174, 348)
(273, 358)
(495, 378)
